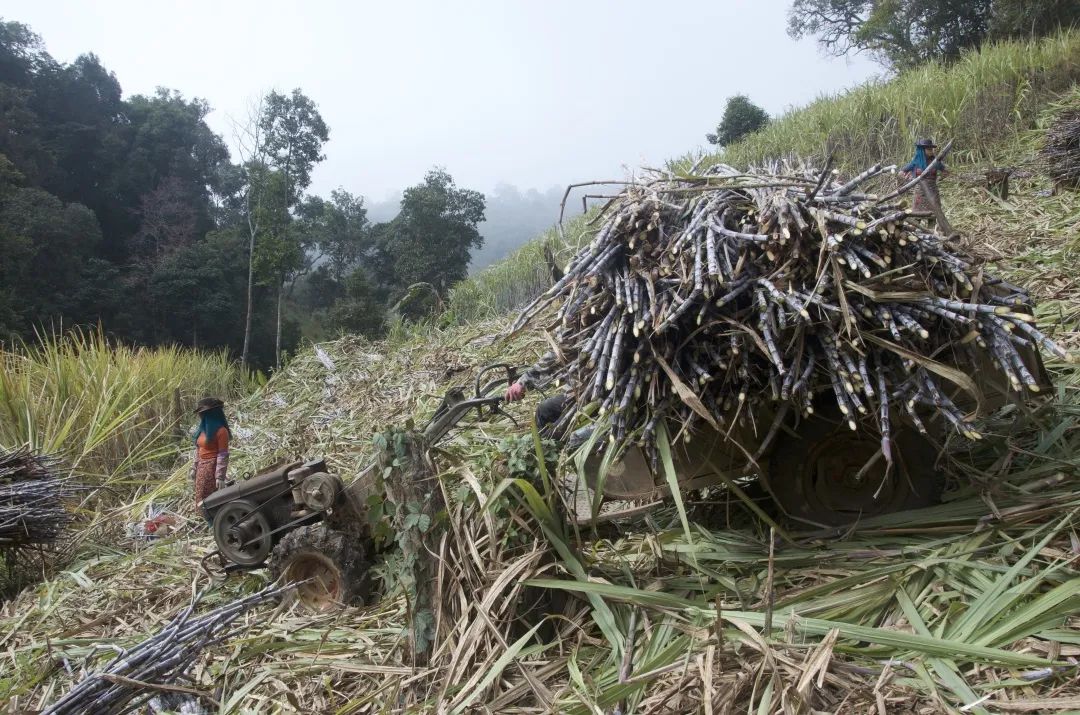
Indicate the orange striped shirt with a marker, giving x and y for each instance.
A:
(208, 449)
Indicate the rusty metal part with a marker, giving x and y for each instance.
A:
(320, 491)
(320, 583)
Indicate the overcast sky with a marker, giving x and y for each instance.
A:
(537, 93)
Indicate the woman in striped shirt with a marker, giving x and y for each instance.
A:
(211, 449)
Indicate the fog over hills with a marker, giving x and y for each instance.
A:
(513, 216)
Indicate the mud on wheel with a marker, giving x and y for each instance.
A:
(329, 565)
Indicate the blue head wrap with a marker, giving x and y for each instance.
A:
(211, 421)
(920, 161)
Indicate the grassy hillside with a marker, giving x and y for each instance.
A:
(964, 607)
(519, 278)
(983, 103)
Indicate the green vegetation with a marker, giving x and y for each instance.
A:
(906, 34)
(517, 279)
(984, 102)
(129, 212)
(964, 607)
(989, 102)
(112, 412)
(741, 117)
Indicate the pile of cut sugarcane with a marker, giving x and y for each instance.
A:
(1061, 149)
(704, 296)
(32, 496)
(134, 676)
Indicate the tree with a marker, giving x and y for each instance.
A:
(337, 231)
(196, 289)
(169, 221)
(85, 126)
(898, 33)
(280, 253)
(360, 311)
(145, 167)
(283, 136)
(128, 211)
(169, 142)
(431, 238)
(1024, 18)
(336, 241)
(741, 117)
(45, 244)
(903, 33)
(253, 150)
(295, 133)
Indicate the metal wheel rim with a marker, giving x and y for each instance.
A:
(321, 585)
(247, 549)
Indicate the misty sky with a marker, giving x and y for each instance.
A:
(536, 93)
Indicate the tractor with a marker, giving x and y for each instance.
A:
(307, 526)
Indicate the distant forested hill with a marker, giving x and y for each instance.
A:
(513, 217)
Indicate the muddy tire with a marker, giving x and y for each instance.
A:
(821, 476)
(332, 565)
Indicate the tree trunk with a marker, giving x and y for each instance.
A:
(250, 293)
(277, 338)
(281, 281)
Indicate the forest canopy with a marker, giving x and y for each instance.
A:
(131, 213)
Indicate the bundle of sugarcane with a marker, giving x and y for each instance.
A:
(703, 296)
(134, 676)
(32, 496)
(1061, 149)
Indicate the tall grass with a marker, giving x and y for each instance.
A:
(987, 98)
(109, 410)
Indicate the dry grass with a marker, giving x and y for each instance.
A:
(995, 595)
(1033, 236)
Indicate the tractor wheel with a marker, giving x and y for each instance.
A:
(828, 475)
(242, 533)
(329, 566)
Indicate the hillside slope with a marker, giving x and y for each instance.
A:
(927, 612)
